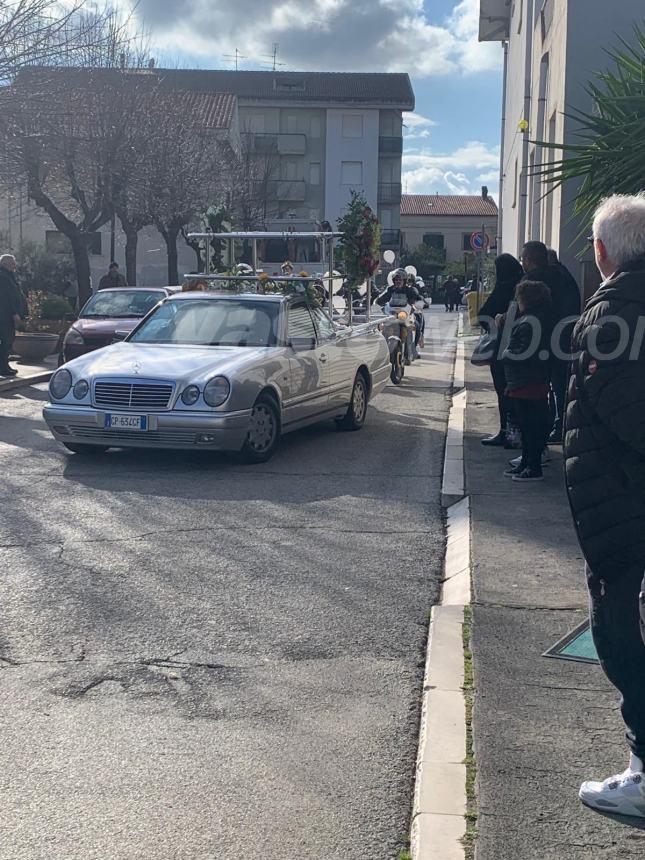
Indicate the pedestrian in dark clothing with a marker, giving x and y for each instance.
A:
(565, 299)
(114, 278)
(454, 295)
(11, 311)
(526, 365)
(508, 272)
(571, 306)
(604, 450)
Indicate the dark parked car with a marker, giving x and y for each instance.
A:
(105, 313)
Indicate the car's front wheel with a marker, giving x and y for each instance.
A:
(85, 449)
(356, 413)
(264, 431)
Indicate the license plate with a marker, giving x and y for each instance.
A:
(126, 422)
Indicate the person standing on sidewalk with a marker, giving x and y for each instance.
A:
(11, 310)
(508, 272)
(565, 299)
(114, 278)
(604, 451)
(526, 365)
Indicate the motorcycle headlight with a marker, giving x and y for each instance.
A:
(402, 315)
(81, 388)
(190, 395)
(217, 391)
(74, 337)
(60, 384)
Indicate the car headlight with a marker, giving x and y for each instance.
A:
(81, 388)
(60, 384)
(74, 337)
(217, 391)
(190, 395)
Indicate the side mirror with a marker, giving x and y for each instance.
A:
(70, 318)
(119, 335)
(302, 344)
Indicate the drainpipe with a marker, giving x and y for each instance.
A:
(528, 74)
(500, 208)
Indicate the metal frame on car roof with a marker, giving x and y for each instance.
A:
(327, 236)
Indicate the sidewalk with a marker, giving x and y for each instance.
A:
(541, 725)
(29, 374)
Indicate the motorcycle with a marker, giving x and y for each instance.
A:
(400, 331)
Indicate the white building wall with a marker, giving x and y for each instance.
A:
(453, 229)
(341, 150)
(576, 34)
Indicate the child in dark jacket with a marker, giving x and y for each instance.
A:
(526, 367)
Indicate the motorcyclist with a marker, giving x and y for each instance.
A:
(401, 292)
(405, 292)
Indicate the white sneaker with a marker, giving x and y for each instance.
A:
(623, 794)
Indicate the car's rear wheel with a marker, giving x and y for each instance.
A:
(85, 449)
(264, 431)
(356, 413)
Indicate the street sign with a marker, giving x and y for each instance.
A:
(479, 241)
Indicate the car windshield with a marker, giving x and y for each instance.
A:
(121, 304)
(225, 322)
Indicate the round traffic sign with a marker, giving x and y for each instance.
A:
(479, 241)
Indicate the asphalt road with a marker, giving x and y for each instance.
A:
(200, 659)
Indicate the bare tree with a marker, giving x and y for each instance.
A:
(190, 162)
(49, 33)
(61, 128)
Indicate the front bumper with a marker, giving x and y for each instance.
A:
(186, 430)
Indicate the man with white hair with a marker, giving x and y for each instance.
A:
(604, 449)
(10, 311)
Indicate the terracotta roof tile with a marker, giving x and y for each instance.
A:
(447, 204)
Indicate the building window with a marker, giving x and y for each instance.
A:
(291, 122)
(351, 173)
(255, 123)
(515, 180)
(465, 242)
(289, 169)
(352, 125)
(434, 240)
(57, 243)
(385, 218)
(314, 173)
(315, 129)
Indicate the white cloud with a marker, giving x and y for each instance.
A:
(459, 172)
(350, 35)
(416, 126)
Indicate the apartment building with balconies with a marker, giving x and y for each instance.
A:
(321, 135)
(311, 138)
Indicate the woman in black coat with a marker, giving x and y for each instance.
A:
(508, 272)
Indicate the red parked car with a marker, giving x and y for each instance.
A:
(106, 312)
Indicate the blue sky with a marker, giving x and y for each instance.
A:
(451, 140)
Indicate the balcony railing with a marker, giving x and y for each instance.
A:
(280, 144)
(390, 238)
(389, 192)
(390, 145)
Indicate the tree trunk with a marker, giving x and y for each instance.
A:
(131, 242)
(83, 272)
(170, 236)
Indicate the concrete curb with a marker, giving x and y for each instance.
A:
(22, 381)
(440, 803)
(452, 486)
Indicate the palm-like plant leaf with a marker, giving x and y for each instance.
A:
(609, 153)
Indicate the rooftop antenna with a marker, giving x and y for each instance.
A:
(237, 57)
(274, 57)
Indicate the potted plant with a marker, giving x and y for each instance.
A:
(47, 320)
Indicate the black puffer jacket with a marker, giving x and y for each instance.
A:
(604, 444)
(526, 358)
